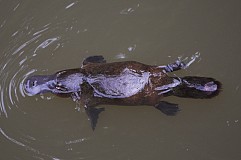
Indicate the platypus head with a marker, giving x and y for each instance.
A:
(39, 84)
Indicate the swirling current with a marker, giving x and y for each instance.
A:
(20, 51)
(15, 64)
(29, 40)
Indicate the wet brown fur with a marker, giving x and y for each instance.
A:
(148, 96)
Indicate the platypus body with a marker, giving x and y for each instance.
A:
(122, 83)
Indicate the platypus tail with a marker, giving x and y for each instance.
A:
(197, 87)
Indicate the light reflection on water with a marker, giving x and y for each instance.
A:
(19, 55)
(148, 31)
(26, 147)
(21, 51)
(12, 77)
(14, 65)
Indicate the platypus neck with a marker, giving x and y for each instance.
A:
(69, 81)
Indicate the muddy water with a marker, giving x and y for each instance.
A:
(41, 37)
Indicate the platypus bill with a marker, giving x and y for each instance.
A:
(122, 83)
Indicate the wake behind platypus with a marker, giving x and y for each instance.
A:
(122, 83)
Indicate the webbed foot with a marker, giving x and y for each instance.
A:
(91, 111)
(167, 108)
(94, 59)
(93, 115)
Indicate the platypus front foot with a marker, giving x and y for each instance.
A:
(75, 96)
(177, 65)
(180, 63)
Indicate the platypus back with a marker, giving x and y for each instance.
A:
(123, 83)
(197, 87)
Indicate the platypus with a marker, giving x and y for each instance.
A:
(97, 82)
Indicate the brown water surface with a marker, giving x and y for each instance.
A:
(42, 37)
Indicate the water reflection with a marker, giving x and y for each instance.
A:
(148, 31)
(27, 147)
(71, 5)
(15, 63)
(23, 49)
(26, 37)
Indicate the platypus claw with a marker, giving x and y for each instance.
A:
(180, 63)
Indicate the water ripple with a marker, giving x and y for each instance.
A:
(42, 30)
(71, 5)
(45, 44)
(16, 57)
(27, 147)
(26, 43)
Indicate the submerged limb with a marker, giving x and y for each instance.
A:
(93, 115)
(167, 108)
(75, 96)
(180, 63)
(94, 59)
(79, 106)
(89, 108)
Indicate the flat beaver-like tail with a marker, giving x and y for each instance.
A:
(197, 87)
